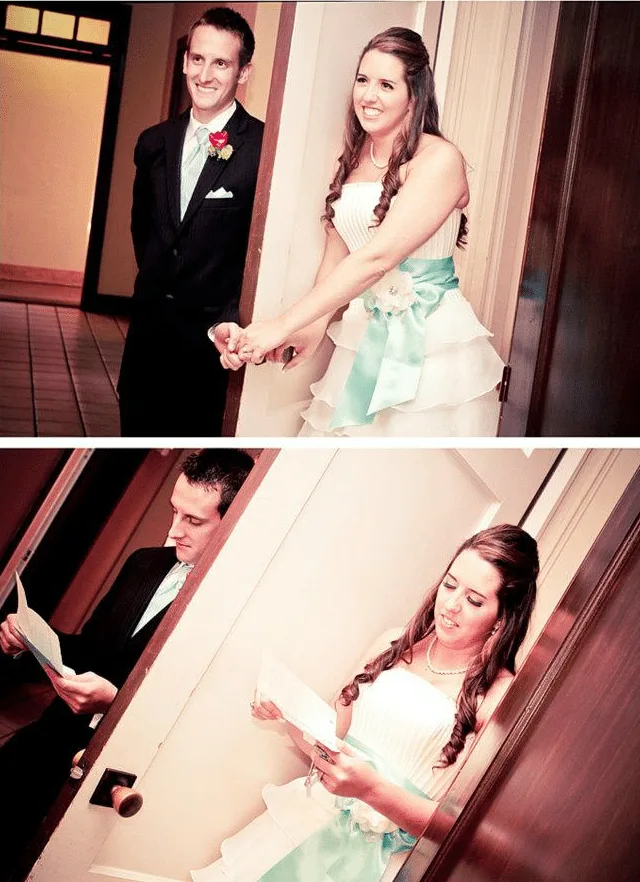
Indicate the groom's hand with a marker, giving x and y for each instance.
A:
(225, 337)
(11, 641)
(84, 693)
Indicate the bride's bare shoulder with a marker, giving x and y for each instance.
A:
(433, 149)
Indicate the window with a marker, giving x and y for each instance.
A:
(59, 25)
(23, 18)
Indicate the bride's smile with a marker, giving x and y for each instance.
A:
(380, 93)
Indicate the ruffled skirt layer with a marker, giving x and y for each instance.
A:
(457, 394)
(290, 817)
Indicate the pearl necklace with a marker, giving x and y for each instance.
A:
(373, 160)
(436, 670)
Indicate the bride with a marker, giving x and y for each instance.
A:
(411, 358)
(408, 721)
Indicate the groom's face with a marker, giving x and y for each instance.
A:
(213, 72)
(196, 519)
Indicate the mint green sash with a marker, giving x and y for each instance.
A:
(340, 851)
(386, 370)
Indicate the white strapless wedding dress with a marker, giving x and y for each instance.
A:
(401, 718)
(456, 393)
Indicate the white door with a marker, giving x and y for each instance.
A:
(334, 548)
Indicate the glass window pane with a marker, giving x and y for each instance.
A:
(22, 18)
(92, 30)
(56, 24)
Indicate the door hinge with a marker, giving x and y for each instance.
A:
(504, 383)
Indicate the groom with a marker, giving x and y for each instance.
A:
(192, 202)
(109, 646)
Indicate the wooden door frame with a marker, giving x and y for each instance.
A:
(569, 80)
(588, 593)
(263, 463)
(261, 204)
(42, 518)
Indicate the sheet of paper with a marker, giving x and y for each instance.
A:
(37, 635)
(298, 703)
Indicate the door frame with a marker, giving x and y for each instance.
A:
(533, 333)
(261, 204)
(264, 461)
(112, 55)
(42, 519)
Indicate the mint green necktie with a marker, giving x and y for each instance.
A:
(192, 168)
(166, 591)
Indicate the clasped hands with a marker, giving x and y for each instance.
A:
(265, 341)
(341, 772)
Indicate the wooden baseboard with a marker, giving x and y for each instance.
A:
(12, 272)
(36, 292)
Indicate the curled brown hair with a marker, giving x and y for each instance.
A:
(407, 46)
(514, 554)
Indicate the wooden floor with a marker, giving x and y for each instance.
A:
(58, 371)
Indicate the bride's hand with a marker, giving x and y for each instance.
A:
(260, 338)
(304, 344)
(263, 709)
(344, 773)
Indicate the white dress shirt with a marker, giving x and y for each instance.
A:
(216, 124)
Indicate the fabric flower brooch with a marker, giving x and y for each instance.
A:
(393, 294)
(218, 146)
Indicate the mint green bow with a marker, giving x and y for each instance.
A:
(340, 851)
(386, 370)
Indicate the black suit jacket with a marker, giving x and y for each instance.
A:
(106, 645)
(200, 261)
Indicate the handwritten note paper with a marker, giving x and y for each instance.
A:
(299, 704)
(37, 635)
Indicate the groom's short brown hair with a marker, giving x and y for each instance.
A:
(225, 19)
(222, 469)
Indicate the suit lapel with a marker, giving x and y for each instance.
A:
(215, 168)
(174, 139)
(140, 597)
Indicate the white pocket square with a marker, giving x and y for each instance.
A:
(220, 193)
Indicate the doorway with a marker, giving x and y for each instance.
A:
(61, 70)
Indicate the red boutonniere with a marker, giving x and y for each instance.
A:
(219, 146)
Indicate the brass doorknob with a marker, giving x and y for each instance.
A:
(126, 802)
